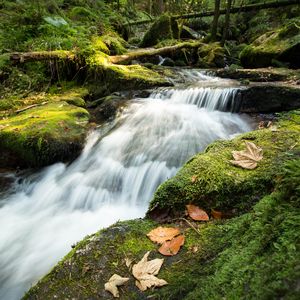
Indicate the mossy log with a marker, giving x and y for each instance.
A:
(23, 57)
(142, 53)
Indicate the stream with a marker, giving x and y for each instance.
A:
(113, 179)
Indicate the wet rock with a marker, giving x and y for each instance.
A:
(168, 62)
(258, 75)
(265, 98)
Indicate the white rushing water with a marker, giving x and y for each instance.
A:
(113, 179)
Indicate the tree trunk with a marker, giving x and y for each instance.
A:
(214, 27)
(144, 53)
(227, 20)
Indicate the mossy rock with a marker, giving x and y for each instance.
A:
(281, 45)
(211, 181)
(114, 43)
(211, 55)
(76, 101)
(254, 256)
(162, 29)
(45, 134)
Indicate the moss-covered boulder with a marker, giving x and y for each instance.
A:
(211, 181)
(273, 47)
(43, 135)
(211, 55)
(162, 29)
(254, 256)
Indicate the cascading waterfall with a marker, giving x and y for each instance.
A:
(113, 179)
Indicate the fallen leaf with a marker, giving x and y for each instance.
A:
(144, 272)
(196, 213)
(128, 262)
(216, 214)
(170, 248)
(160, 215)
(248, 158)
(162, 234)
(113, 283)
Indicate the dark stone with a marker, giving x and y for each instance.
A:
(168, 62)
(267, 98)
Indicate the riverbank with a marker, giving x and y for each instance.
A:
(256, 235)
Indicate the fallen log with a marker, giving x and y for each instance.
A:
(148, 52)
(23, 57)
(233, 10)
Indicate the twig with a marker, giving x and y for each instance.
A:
(191, 225)
(29, 107)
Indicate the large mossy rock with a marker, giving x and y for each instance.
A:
(162, 29)
(43, 135)
(253, 256)
(211, 181)
(281, 45)
(211, 56)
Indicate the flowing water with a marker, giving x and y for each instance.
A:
(113, 179)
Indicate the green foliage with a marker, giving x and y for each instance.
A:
(52, 25)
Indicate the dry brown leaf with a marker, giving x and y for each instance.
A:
(113, 283)
(216, 214)
(248, 158)
(196, 213)
(144, 272)
(162, 234)
(170, 248)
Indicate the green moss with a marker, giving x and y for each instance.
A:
(44, 134)
(114, 43)
(211, 55)
(254, 256)
(282, 45)
(4, 61)
(221, 185)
